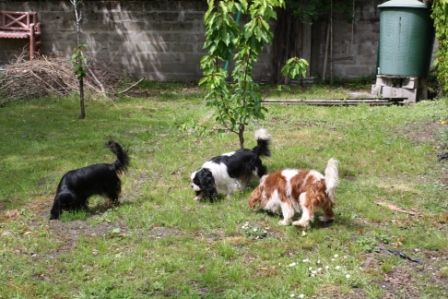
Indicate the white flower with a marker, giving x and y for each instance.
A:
(301, 296)
(347, 276)
(336, 256)
(292, 265)
(337, 267)
(305, 260)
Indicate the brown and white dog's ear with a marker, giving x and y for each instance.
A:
(255, 197)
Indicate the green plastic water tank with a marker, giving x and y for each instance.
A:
(406, 38)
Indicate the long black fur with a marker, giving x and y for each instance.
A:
(76, 186)
(240, 165)
(204, 178)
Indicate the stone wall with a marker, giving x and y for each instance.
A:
(162, 39)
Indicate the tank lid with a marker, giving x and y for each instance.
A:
(403, 3)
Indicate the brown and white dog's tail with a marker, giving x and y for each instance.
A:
(332, 178)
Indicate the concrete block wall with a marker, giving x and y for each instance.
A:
(162, 39)
(155, 39)
(355, 44)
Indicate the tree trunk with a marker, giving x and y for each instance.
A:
(241, 135)
(81, 98)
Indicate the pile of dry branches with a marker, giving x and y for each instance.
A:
(51, 76)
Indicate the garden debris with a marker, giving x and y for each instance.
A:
(397, 208)
(254, 232)
(401, 254)
(51, 76)
(443, 156)
(130, 87)
(12, 214)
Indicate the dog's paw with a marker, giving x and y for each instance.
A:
(325, 219)
(301, 223)
(284, 222)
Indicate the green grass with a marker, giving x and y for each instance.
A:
(161, 244)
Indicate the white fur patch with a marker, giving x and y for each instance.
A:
(228, 154)
(195, 187)
(287, 212)
(306, 215)
(262, 134)
(288, 174)
(224, 183)
(273, 203)
(316, 174)
(332, 178)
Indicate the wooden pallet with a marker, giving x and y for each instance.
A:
(340, 102)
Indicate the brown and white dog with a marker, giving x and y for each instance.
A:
(293, 190)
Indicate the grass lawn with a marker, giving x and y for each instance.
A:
(161, 244)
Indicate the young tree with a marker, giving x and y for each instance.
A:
(237, 101)
(78, 58)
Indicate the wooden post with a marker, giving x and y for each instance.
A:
(32, 41)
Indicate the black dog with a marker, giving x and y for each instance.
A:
(76, 186)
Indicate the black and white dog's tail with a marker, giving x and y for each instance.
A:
(122, 162)
(263, 139)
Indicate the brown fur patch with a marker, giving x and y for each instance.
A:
(275, 181)
(298, 184)
(255, 197)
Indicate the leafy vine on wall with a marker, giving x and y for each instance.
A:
(440, 16)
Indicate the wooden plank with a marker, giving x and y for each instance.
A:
(346, 102)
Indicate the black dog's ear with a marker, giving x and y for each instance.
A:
(261, 169)
(56, 209)
(207, 184)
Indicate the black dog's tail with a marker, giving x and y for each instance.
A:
(122, 162)
(263, 139)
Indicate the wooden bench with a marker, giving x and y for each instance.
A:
(21, 25)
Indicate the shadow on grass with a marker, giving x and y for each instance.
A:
(339, 220)
(95, 210)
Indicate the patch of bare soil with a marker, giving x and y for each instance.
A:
(427, 132)
(400, 284)
(136, 181)
(68, 233)
(408, 279)
(335, 292)
(161, 232)
(139, 92)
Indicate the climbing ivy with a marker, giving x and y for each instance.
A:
(440, 16)
(313, 10)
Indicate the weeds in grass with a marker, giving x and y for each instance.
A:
(161, 243)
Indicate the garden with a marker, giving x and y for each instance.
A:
(388, 238)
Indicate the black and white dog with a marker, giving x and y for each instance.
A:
(76, 186)
(231, 172)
